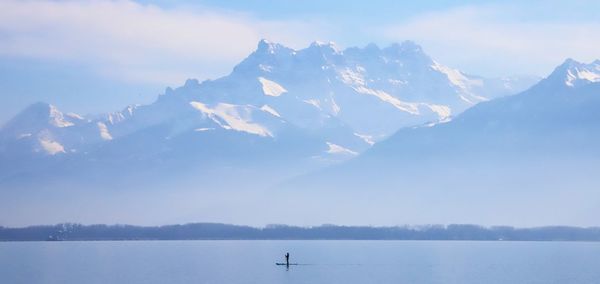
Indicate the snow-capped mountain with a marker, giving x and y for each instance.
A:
(556, 117)
(574, 74)
(315, 106)
(523, 155)
(43, 129)
(371, 90)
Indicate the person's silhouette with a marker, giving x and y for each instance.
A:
(287, 259)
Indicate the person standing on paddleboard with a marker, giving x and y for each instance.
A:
(287, 258)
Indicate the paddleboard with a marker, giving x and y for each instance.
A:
(279, 263)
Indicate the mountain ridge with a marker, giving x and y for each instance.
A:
(300, 109)
(220, 145)
(523, 155)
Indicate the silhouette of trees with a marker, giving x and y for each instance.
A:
(215, 231)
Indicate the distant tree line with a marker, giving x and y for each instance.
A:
(215, 231)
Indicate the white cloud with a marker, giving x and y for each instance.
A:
(136, 42)
(498, 39)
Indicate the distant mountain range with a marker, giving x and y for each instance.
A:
(355, 136)
(279, 113)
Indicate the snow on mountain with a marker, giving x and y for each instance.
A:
(270, 110)
(104, 134)
(550, 125)
(337, 149)
(521, 157)
(463, 83)
(51, 147)
(39, 116)
(371, 90)
(234, 117)
(573, 73)
(321, 103)
(42, 128)
(271, 88)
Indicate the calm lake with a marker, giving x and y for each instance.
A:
(320, 262)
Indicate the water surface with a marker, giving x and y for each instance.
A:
(322, 262)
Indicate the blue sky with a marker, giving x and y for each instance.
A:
(97, 56)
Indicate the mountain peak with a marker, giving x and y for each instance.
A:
(39, 106)
(570, 61)
(264, 44)
(325, 48)
(189, 83)
(568, 64)
(372, 48)
(321, 44)
(40, 115)
(406, 46)
(41, 109)
(267, 53)
(573, 73)
(411, 45)
(267, 47)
